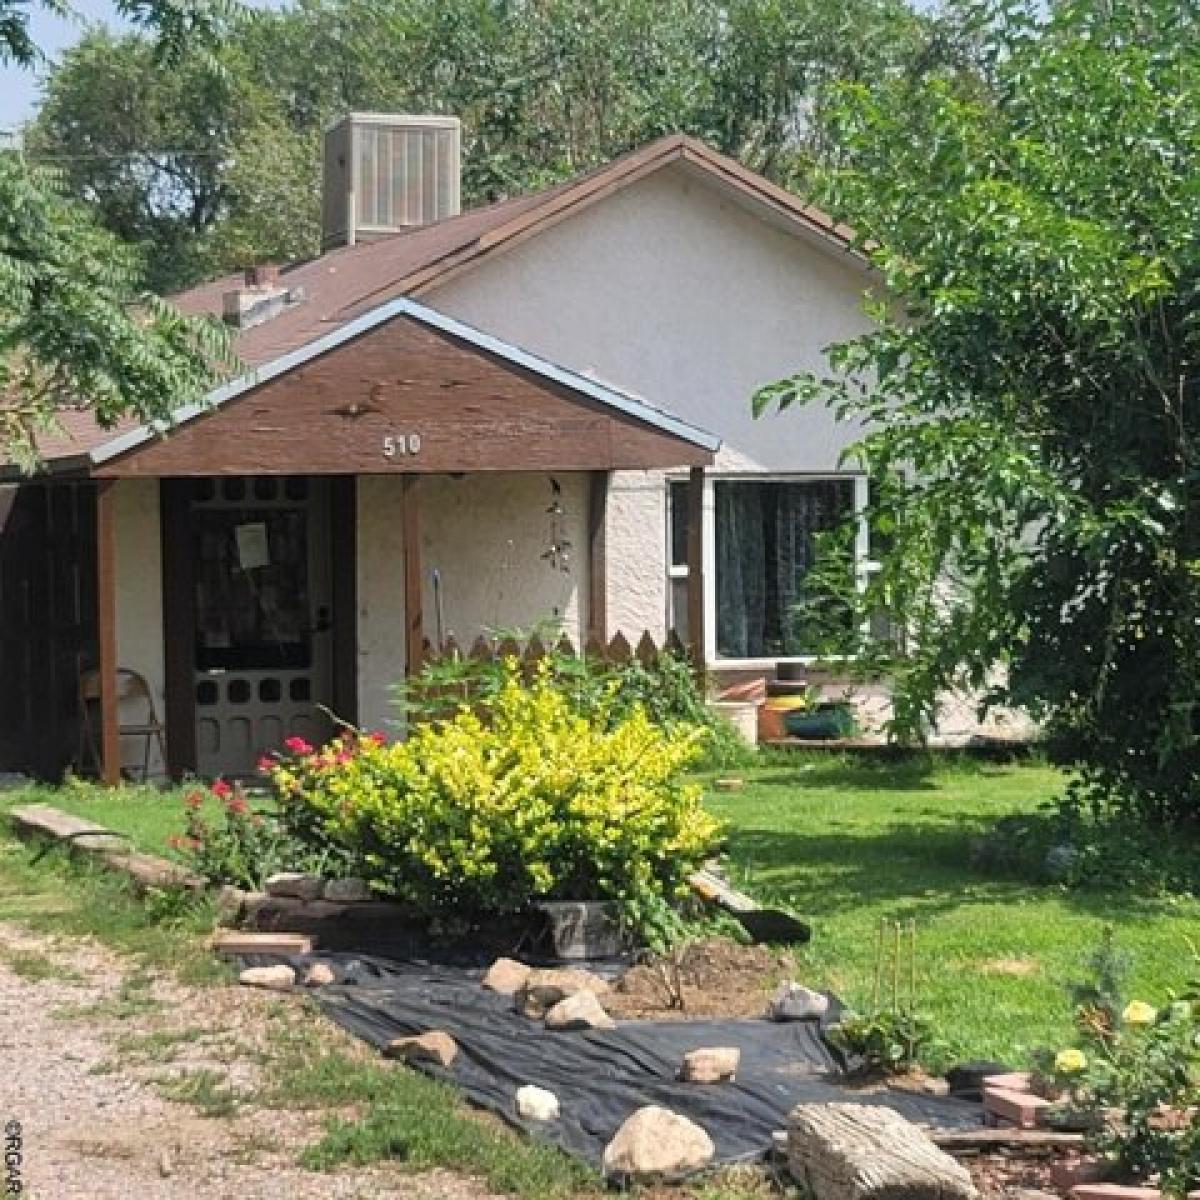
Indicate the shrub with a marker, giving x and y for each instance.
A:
(1134, 1077)
(604, 692)
(517, 798)
(239, 845)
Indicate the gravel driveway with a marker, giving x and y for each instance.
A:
(83, 1056)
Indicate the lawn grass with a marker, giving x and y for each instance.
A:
(849, 842)
(149, 816)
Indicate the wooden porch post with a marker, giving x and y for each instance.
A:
(106, 621)
(414, 621)
(597, 621)
(695, 563)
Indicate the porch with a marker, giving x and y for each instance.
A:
(281, 557)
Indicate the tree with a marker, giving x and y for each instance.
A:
(1032, 391)
(75, 327)
(545, 89)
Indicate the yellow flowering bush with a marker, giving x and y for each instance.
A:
(524, 799)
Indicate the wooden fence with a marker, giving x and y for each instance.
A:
(531, 650)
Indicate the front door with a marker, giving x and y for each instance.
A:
(262, 595)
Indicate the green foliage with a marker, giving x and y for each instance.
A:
(1134, 1076)
(518, 798)
(604, 692)
(1032, 393)
(889, 1042)
(216, 166)
(74, 327)
(238, 844)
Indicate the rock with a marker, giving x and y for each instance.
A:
(318, 975)
(581, 929)
(866, 1152)
(656, 1142)
(230, 904)
(543, 989)
(1059, 861)
(347, 891)
(710, 1064)
(296, 885)
(794, 1002)
(506, 976)
(536, 1104)
(434, 1047)
(580, 1011)
(276, 979)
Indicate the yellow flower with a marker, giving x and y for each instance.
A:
(1138, 1012)
(1070, 1061)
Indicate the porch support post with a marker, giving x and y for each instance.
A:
(597, 610)
(106, 621)
(695, 564)
(414, 620)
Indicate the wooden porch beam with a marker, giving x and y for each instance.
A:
(597, 610)
(106, 621)
(414, 619)
(695, 564)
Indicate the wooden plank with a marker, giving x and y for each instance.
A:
(179, 625)
(106, 618)
(414, 620)
(344, 550)
(407, 399)
(695, 562)
(597, 607)
(233, 944)
(973, 1140)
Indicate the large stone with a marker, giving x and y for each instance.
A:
(319, 975)
(795, 1002)
(506, 976)
(296, 885)
(867, 1152)
(351, 890)
(537, 1104)
(655, 1143)
(710, 1064)
(434, 1047)
(543, 989)
(276, 979)
(580, 1011)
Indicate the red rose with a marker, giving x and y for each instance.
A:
(266, 764)
(376, 738)
(221, 789)
(297, 745)
(236, 805)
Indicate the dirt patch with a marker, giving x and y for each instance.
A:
(1020, 968)
(719, 979)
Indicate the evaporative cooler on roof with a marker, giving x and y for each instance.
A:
(385, 172)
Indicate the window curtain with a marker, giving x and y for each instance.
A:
(764, 538)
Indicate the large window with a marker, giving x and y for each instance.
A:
(764, 548)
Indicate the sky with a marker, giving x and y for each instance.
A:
(19, 91)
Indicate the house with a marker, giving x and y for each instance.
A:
(448, 423)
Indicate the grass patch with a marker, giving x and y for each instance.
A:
(848, 842)
(206, 1090)
(408, 1117)
(159, 1046)
(35, 967)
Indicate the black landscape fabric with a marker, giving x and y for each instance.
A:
(600, 1078)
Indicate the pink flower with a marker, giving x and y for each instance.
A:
(221, 789)
(343, 758)
(266, 764)
(194, 800)
(297, 745)
(236, 805)
(376, 738)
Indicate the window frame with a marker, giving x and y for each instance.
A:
(864, 566)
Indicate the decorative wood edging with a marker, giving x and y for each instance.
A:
(111, 849)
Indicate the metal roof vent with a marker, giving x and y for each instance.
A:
(384, 172)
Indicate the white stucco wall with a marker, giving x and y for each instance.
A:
(485, 536)
(684, 295)
(139, 603)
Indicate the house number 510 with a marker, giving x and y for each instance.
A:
(397, 445)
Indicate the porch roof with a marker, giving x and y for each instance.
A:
(430, 375)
